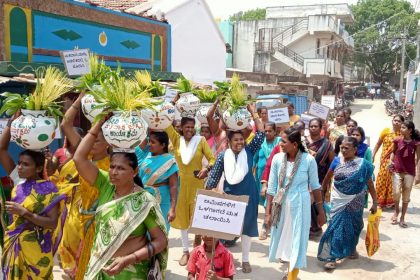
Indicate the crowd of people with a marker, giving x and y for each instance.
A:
(107, 215)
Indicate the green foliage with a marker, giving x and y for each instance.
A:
(51, 85)
(144, 80)
(205, 95)
(257, 14)
(379, 47)
(99, 72)
(233, 94)
(183, 85)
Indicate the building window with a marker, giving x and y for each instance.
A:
(318, 45)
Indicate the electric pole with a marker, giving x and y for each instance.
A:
(402, 68)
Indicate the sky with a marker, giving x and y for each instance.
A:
(224, 8)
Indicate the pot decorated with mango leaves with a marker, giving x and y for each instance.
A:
(237, 119)
(33, 130)
(124, 130)
(160, 117)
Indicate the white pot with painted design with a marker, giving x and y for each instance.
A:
(188, 104)
(238, 119)
(124, 131)
(33, 130)
(90, 107)
(161, 117)
(202, 112)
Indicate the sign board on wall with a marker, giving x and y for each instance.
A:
(76, 62)
(278, 115)
(328, 100)
(218, 215)
(319, 110)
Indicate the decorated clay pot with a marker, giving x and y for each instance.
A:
(238, 120)
(188, 104)
(33, 130)
(124, 131)
(89, 107)
(161, 117)
(202, 112)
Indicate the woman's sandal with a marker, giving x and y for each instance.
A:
(330, 266)
(285, 277)
(246, 267)
(394, 220)
(402, 224)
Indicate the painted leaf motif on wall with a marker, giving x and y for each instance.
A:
(66, 34)
(130, 44)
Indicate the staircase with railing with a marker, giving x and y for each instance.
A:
(290, 54)
(288, 33)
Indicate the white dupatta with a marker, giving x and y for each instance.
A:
(235, 168)
(188, 150)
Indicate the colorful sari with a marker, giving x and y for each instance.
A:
(260, 161)
(347, 200)
(29, 250)
(322, 148)
(116, 220)
(154, 172)
(384, 180)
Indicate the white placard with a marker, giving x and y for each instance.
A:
(319, 110)
(76, 62)
(218, 215)
(278, 115)
(170, 94)
(328, 100)
(3, 124)
(306, 119)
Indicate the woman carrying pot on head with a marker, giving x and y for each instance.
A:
(260, 161)
(322, 150)
(339, 128)
(351, 175)
(288, 211)
(189, 151)
(79, 229)
(237, 163)
(158, 170)
(34, 213)
(384, 179)
(130, 229)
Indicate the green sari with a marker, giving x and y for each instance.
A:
(118, 219)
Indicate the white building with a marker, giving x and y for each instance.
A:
(198, 47)
(307, 41)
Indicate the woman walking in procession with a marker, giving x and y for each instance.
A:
(288, 211)
(34, 211)
(351, 175)
(189, 151)
(158, 170)
(339, 128)
(384, 180)
(79, 229)
(130, 229)
(260, 161)
(405, 156)
(237, 163)
(322, 150)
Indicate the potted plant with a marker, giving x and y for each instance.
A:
(99, 72)
(207, 98)
(35, 128)
(188, 103)
(160, 116)
(125, 129)
(235, 115)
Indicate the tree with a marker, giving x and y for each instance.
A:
(257, 14)
(378, 30)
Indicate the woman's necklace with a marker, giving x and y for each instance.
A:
(116, 195)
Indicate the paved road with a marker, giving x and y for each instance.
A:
(398, 256)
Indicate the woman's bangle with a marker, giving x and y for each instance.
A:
(319, 202)
(255, 116)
